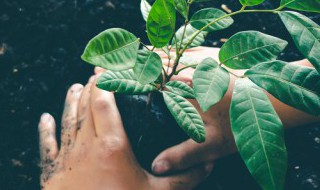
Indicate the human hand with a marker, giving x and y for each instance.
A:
(95, 152)
(219, 140)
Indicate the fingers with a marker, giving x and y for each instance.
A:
(69, 118)
(48, 142)
(187, 179)
(106, 116)
(180, 157)
(99, 70)
(85, 122)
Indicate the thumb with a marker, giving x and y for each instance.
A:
(185, 180)
(180, 157)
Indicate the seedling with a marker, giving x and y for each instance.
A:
(257, 129)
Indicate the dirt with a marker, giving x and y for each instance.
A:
(40, 47)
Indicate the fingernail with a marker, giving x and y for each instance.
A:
(208, 168)
(161, 167)
(45, 117)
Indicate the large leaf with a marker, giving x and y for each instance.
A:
(123, 82)
(302, 5)
(251, 2)
(248, 48)
(210, 83)
(188, 34)
(259, 135)
(186, 116)
(114, 49)
(180, 88)
(208, 15)
(182, 7)
(295, 85)
(161, 23)
(145, 8)
(148, 67)
(306, 35)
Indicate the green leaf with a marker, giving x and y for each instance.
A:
(210, 83)
(180, 88)
(306, 35)
(123, 82)
(295, 85)
(114, 49)
(161, 23)
(302, 5)
(148, 67)
(251, 2)
(246, 49)
(259, 135)
(186, 116)
(182, 7)
(189, 33)
(145, 8)
(208, 15)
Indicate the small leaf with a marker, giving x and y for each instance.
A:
(259, 135)
(189, 33)
(210, 83)
(302, 5)
(114, 49)
(148, 67)
(161, 23)
(208, 15)
(182, 7)
(145, 8)
(306, 35)
(123, 82)
(180, 88)
(186, 116)
(246, 49)
(295, 85)
(251, 2)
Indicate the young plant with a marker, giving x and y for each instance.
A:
(256, 127)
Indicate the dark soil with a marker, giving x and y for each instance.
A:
(40, 47)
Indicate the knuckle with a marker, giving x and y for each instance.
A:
(111, 146)
(69, 121)
(101, 104)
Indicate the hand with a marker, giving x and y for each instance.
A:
(219, 140)
(95, 152)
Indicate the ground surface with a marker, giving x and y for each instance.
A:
(40, 47)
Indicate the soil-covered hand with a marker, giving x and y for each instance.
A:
(95, 152)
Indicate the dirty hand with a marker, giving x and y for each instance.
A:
(95, 152)
(219, 139)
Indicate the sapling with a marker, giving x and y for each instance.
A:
(134, 68)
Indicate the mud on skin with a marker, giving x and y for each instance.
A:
(40, 47)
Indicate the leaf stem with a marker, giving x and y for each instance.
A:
(145, 46)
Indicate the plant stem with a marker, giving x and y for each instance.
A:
(180, 53)
(144, 45)
(189, 66)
